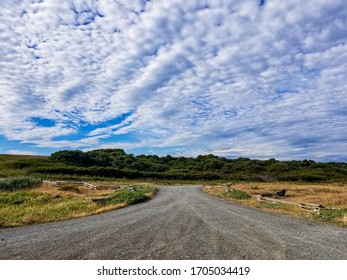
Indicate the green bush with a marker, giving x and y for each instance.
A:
(17, 183)
(237, 194)
(130, 197)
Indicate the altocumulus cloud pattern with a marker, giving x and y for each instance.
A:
(234, 78)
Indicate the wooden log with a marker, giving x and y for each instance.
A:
(55, 184)
(70, 182)
(91, 186)
(309, 206)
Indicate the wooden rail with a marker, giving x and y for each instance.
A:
(307, 206)
(81, 183)
(91, 186)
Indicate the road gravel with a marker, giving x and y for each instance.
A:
(180, 222)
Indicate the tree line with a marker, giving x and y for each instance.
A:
(116, 163)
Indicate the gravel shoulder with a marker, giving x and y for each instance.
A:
(180, 222)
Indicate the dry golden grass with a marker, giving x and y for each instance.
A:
(343, 219)
(328, 195)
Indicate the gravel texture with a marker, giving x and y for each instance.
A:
(180, 222)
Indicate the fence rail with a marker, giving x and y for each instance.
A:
(306, 206)
(81, 183)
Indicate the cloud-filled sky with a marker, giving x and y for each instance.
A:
(250, 78)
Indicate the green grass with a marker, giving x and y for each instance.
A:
(19, 182)
(237, 194)
(24, 198)
(27, 206)
(331, 215)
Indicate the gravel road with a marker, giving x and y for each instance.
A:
(178, 223)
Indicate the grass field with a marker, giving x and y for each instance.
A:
(332, 196)
(46, 203)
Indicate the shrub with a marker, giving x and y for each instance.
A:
(131, 197)
(17, 183)
(237, 194)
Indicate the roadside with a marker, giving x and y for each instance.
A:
(321, 202)
(48, 202)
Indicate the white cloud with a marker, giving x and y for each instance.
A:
(229, 77)
(20, 152)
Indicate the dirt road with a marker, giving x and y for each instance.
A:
(179, 223)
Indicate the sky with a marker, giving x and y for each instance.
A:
(233, 78)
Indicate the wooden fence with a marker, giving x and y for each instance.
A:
(80, 183)
(307, 206)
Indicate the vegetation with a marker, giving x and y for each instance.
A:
(332, 215)
(16, 183)
(332, 196)
(47, 203)
(115, 163)
(131, 197)
(237, 194)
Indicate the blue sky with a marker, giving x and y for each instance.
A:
(258, 79)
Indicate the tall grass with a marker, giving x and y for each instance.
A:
(17, 183)
(25, 207)
(46, 203)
